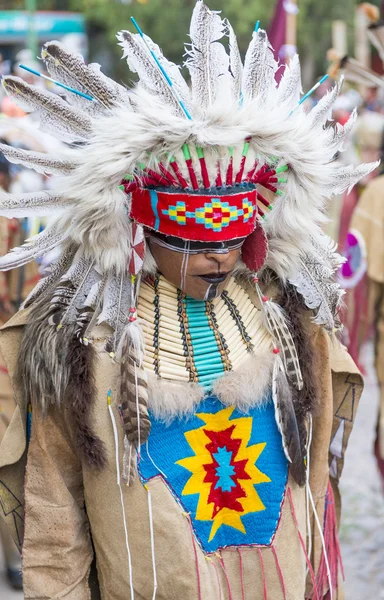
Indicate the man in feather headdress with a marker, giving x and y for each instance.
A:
(189, 413)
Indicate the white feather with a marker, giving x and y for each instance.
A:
(259, 69)
(207, 60)
(32, 204)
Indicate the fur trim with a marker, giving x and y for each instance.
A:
(168, 400)
(244, 388)
(249, 385)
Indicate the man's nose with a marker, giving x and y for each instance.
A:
(221, 258)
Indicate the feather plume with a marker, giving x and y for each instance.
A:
(129, 473)
(173, 71)
(259, 69)
(321, 294)
(134, 401)
(31, 204)
(276, 325)
(89, 309)
(54, 273)
(290, 89)
(40, 162)
(326, 248)
(132, 339)
(344, 178)
(33, 248)
(287, 423)
(116, 304)
(87, 318)
(71, 70)
(339, 133)
(74, 288)
(321, 112)
(56, 115)
(235, 62)
(141, 62)
(207, 60)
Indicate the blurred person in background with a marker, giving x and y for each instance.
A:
(366, 246)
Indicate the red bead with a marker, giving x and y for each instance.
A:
(132, 310)
(256, 279)
(132, 319)
(264, 298)
(276, 351)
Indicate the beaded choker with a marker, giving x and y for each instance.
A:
(197, 340)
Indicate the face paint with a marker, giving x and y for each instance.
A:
(200, 276)
(192, 247)
(211, 292)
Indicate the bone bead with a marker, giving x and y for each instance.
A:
(171, 336)
(171, 347)
(173, 377)
(146, 304)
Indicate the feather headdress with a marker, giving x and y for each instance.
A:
(138, 157)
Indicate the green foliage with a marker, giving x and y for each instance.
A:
(315, 27)
(167, 22)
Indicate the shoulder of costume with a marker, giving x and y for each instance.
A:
(18, 320)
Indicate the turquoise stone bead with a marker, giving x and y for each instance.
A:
(196, 309)
(204, 349)
(207, 360)
(210, 371)
(198, 320)
(208, 379)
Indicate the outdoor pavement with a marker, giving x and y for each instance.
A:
(362, 527)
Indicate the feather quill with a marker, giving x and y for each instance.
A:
(56, 115)
(33, 248)
(141, 62)
(344, 178)
(173, 71)
(276, 325)
(260, 68)
(134, 403)
(40, 162)
(207, 60)
(71, 70)
(74, 288)
(290, 88)
(287, 422)
(93, 307)
(321, 294)
(116, 303)
(326, 248)
(54, 273)
(31, 204)
(322, 111)
(235, 62)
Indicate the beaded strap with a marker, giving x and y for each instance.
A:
(235, 313)
(197, 340)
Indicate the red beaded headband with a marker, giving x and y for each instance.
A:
(200, 216)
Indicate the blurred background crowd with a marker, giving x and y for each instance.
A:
(333, 37)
